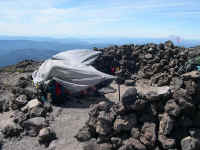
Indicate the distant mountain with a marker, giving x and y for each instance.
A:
(13, 51)
(18, 48)
(7, 46)
(23, 54)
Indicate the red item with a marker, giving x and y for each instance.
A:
(58, 89)
(113, 70)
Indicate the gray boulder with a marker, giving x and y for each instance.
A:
(5, 99)
(19, 102)
(103, 127)
(129, 82)
(148, 134)
(129, 96)
(32, 104)
(125, 123)
(153, 93)
(106, 116)
(46, 135)
(135, 133)
(190, 143)
(34, 125)
(167, 143)
(83, 134)
(37, 112)
(116, 142)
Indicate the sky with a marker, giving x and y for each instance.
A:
(101, 18)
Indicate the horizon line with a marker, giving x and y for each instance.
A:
(114, 37)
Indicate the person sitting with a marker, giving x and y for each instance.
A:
(52, 92)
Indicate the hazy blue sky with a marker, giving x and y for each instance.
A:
(127, 18)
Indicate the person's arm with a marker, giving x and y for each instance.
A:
(49, 97)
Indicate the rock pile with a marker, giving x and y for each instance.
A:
(149, 117)
(161, 115)
(153, 119)
(160, 63)
(29, 117)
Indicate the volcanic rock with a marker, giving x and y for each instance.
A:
(84, 134)
(190, 143)
(52, 145)
(134, 144)
(5, 99)
(21, 82)
(105, 146)
(11, 129)
(138, 105)
(91, 145)
(191, 87)
(153, 93)
(103, 127)
(135, 133)
(148, 136)
(169, 44)
(166, 125)
(37, 112)
(195, 133)
(129, 82)
(125, 123)
(46, 135)
(167, 143)
(172, 108)
(19, 117)
(192, 75)
(116, 142)
(129, 97)
(19, 102)
(177, 83)
(31, 104)
(32, 126)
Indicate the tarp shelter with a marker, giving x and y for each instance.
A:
(72, 69)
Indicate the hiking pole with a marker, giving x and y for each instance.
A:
(119, 91)
(118, 81)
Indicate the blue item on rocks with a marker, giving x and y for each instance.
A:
(43, 99)
(198, 68)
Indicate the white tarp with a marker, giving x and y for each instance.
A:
(71, 69)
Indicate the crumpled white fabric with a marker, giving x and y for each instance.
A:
(71, 69)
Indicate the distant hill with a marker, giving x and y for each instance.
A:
(18, 48)
(23, 54)
(7, 46)
(13, 51)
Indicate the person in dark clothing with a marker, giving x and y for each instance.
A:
(53, 93)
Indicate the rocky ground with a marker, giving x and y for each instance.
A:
(26, 123)
(159, 107)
